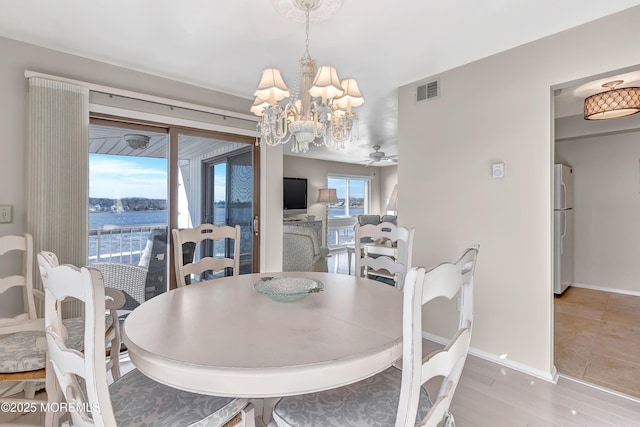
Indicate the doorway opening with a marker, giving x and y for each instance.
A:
(596, 338)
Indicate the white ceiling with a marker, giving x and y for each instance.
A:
(225, 44)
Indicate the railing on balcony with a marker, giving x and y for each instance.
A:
(119, 244)
(340, 232)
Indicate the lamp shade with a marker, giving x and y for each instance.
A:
(351, 97)
(326, 84)
(327, 195)
(393, 199)
(272, 87)
(612, 103)
(258, 107)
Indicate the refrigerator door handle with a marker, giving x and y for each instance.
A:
(564, 231)
(564, 195)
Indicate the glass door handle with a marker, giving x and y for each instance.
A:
(255, 225)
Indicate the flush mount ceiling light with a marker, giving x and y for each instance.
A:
(613, 102)
(318, 110)
(137, 142)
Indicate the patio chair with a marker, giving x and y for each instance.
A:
(134, 399)
(397, 397)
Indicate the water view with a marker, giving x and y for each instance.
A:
(122, 236)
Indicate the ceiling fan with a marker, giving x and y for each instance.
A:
(378, 156)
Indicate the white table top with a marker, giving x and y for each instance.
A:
(222, 337)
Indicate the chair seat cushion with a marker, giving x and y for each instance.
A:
(372, 402)
(26, 351)
(140, 401)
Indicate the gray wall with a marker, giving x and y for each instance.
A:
(500, 109)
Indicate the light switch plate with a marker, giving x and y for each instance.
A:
(497, 170)
(6, 213)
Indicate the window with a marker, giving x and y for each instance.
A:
(354, 198)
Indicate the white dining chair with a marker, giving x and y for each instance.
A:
(374, 244)
(205, 234)
(132, 400)
(113, 340)
(22, 357)
(397, 397)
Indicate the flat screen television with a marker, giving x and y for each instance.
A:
(294, 196)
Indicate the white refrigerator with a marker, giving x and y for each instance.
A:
(563, 228)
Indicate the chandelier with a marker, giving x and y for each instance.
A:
(318, 110)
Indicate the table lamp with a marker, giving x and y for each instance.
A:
(327, 195)
(393, 200)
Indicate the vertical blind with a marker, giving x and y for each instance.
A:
(57, 179)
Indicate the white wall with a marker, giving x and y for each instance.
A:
(499, 109)
(18, 57)
(606, 208)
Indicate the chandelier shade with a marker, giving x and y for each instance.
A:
(612, 103)
(351, 97)
(259, 106)
(326, 84)
(272, 87)
(318, 111)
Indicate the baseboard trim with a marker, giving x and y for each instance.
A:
(547, 376)
(606, 289)
(601, 388)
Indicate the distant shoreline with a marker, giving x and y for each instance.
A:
(130, 211)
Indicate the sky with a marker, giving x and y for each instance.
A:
(357, 187)
(117, 177)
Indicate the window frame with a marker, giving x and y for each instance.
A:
(367, 196)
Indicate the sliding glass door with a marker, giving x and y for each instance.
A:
(229, 201)
(146, 179)
(227, 195)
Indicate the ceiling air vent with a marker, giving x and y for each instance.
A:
(428, 90)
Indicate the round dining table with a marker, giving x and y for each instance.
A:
(222, 337)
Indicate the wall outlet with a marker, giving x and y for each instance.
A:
(6, 213)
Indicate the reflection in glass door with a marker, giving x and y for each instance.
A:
(230, 201)
(216, 176)
(216, 209)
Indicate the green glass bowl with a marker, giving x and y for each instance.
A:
(287, 289)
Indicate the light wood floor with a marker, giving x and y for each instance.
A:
(490, 395)
(597, 338)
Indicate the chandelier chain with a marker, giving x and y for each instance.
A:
(306, 46)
